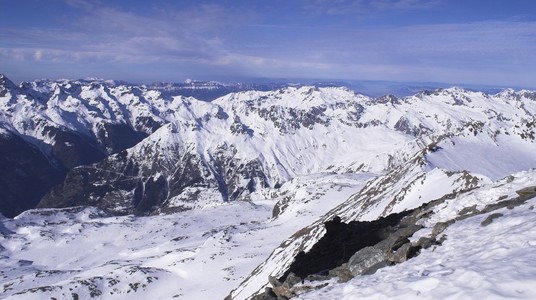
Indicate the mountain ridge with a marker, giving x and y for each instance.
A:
(283, 131)
(236, 190)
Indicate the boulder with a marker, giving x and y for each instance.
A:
(342, 272)
(490, 219)
(366, 260)
(400, 255)
(528, 191)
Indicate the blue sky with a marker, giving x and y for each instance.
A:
(471, 42)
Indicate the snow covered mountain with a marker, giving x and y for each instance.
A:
(247, 181)
(232, 147)
(68, 123)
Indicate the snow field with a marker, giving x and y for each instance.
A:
(197, 254)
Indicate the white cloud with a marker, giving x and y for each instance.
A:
(38, 55)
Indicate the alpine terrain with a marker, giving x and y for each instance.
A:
(110, 190)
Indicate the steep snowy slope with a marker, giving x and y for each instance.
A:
(243, 142)
(489, 254)
(465, 201)
(405, 187)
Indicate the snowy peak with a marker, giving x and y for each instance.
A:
(5, 83)
(245, 141)
(224, 183)
(241, 143)
(291, 108)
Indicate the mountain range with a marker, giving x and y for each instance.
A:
(266, 174)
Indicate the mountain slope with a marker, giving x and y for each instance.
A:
(295, 158)
(241, 143)
(22, 165)
(483, 254)
(74, 123)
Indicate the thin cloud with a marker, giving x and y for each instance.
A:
(405, 5)
(212, 39)
(467, 52)
(362, 7)
(107, 33)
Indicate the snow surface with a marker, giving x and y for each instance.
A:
(198, 254)
(480, 154)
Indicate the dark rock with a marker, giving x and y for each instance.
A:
(425, 242)
(409, 220)
(490, 219)
(366, 259)
(72, 149)
(283, 292)
(401, 255)
(439, 227)
(342, 272)
(291, 280)
(528, 191)
(316, 277)
(340, 242)
(467, 212)
(118, 137)
(422, 243)
(267, 295)
(413, 251)
(397, 238)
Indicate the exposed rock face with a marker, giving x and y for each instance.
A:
(528, 191)
(72, 149)
(25, 175)
(147, 178)
(393, 245)
(339, 244)
(132, 189)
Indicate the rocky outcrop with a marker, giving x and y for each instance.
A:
(339, 244)
(393, 247)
